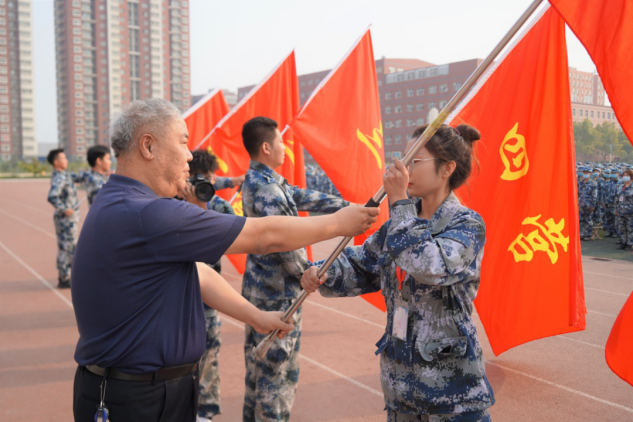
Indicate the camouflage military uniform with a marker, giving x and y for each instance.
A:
(62, 196)
(222, 183)
(432, 268)
(93, 182)
(587, 199)
(609, 206)
(209, 388)
(271, 282)
(598, 212)
(624, 208)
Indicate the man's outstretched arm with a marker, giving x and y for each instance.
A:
(277, 234)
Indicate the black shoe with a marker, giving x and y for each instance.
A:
(63, 284)
(628, 248)
(622, 246)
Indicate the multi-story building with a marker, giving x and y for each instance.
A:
(597, 114)
(588, 98)
(112, 52)
(407, 97)
(586, 87)
(17, 114)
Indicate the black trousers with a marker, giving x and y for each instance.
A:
(136, 401)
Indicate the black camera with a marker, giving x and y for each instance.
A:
(203, 188)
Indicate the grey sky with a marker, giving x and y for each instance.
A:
(236, 43)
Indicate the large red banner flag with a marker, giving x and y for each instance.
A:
(605, 28)
(276, 97)
(619, 350)
(340, 126)
(202, 117)
(525, 190)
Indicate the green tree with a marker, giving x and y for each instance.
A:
(608, 140)
(585, 138)
(33, 166)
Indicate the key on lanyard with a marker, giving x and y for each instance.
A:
(102, 411)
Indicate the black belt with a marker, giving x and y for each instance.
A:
(160, 375)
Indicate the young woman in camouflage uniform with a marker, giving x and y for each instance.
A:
(426, 260)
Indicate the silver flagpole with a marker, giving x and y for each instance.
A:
(262, 348)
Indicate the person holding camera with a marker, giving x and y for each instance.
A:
(271, 280)
(138, 287)
(201, 192)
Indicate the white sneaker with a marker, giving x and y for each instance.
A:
(203, 419)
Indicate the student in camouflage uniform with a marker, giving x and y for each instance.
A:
(272, 281)
(63, 197)
(587, 202)
(624, 210)
(426, 260)
(598, 213)
(98, 158)
(609, 203)
(206, 164)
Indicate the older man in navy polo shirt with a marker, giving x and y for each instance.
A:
(136, 287)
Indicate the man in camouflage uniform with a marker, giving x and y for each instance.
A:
(63, 197)
(272, 281)
(432, 268)
(99, 160)
(587, 202)
(206, 164)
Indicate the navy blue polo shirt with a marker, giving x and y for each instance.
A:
(135, 285)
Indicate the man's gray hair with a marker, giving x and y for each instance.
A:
(144, 116)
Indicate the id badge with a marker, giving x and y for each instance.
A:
(400, 322)
(621, 198)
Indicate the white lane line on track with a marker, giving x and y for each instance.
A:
(33, 226)
(607, 275)
(562, 387)
(39, 210)
(318, 364)
(580, 341)
(608, 291)
(26, 180)
(37, 275)
(602, 313)
(346, 314)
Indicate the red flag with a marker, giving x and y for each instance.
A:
(276, 97)
(605, 28)
(202, 117)
(340, 126)
(619, 350)
(531, 279)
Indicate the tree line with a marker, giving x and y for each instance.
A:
(601, 143)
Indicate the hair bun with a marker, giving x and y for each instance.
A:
(469, 133)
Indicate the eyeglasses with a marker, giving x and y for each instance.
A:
(411, 166)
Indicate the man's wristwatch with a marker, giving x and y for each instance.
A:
(402, 202)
